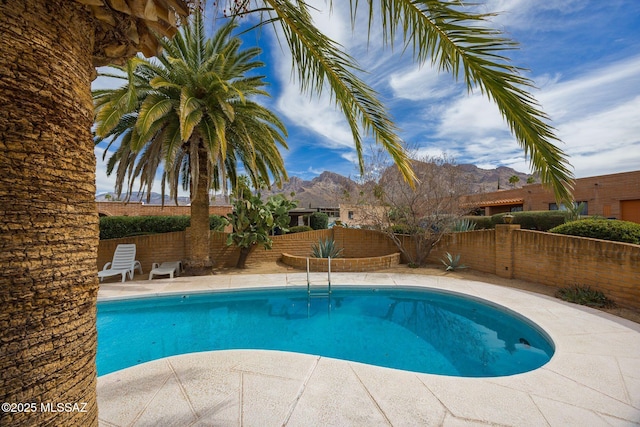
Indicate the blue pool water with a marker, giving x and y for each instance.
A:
(411, 329)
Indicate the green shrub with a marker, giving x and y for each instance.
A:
(299, 229)
(481, 222)
(162, 224)
(319, 221)
(534, 220)
(114, 227)
(584, 295)
(605, 229)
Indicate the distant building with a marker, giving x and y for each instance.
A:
(300, 216)
(615, 196)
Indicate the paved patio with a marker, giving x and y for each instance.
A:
(593, 378)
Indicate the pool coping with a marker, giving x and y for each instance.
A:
(592, 379)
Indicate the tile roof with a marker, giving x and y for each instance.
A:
(498, 202)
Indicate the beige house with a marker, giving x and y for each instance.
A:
(615, 196)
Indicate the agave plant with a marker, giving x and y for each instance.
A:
(326, 249)
(463, 224)
(452, 262)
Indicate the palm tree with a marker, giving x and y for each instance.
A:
(49, 230)
(49, 236)
(191, 113)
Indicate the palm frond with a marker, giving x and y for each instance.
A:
(318, 59)
(190, 113)
(153, 109)
(457, 41)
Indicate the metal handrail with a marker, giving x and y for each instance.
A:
(328, 277)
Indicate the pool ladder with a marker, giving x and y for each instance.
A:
(318, 294)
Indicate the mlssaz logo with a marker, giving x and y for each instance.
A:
(63, 407)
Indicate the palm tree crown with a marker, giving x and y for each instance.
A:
(194, 101)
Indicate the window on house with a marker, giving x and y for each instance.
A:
(350, 214)
(583, 211)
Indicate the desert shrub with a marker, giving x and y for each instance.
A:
(481, 222)
(584, 295)
(605, 229)
(299, 229)
(402, 229)
(114, 227)
(533, 220)
(319, 221)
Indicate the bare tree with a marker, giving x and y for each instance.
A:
(414, 218)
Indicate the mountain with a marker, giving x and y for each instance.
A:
(327, 189)
(155, 199)
(488, 180)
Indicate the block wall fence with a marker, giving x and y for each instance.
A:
(509, 252)
(141, 209)
(342, 264)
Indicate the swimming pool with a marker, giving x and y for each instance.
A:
(412, 329)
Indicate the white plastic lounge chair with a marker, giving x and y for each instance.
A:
(123, 263)
(165, 268)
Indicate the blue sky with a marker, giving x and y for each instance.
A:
(582, 55)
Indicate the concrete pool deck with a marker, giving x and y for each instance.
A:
(593, 378)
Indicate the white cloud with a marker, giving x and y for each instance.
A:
(595, 114)
(317, 115)
(612, 127)
(104, 183)
(607, 141)
(597, 89)
(431, 152)
(332, 22)
(102, 82)
(525, 14)
(421, 83)
(470, 117)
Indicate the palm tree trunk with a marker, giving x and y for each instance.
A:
(199, 259)
(49, 231)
